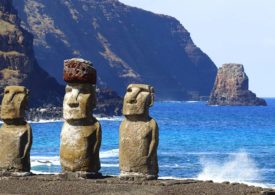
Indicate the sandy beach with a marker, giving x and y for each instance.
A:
(55, 184)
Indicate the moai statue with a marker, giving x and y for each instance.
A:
(81, 132)
(16, 133)
(138, 135)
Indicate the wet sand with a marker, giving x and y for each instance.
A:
(55, 184)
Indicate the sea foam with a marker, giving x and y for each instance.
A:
(115, 118)
(46, 121)
(238, 167)
(109, 153)
(55, 160)
(45, 161)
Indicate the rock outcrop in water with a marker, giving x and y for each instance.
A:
(16, 133)
(126, 44)
(138, 135)
(81, 132)
(231, 88)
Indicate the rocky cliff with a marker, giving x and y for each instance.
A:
(126, 44)
(18, 66)
(231, 88)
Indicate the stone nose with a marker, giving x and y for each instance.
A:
(133, 96)
(132, 101)
(10, 97)
(73, 102)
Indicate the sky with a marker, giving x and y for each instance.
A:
(229, 31)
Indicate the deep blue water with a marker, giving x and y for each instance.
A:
(196, 141)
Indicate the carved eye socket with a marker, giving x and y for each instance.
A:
(129, 90)
(85, 90)
(7, 91)
(144, 90)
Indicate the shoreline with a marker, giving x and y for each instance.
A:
(216, 160)
(174, 178)
(58, 184)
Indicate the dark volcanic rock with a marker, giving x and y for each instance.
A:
(64, 184)
(109, 103)
(79, 71)
(126, 45)
(231, 88)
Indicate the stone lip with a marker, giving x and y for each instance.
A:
(77, 70)
(232, 88)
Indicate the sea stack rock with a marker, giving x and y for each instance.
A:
(138, 135)
(81, 132)
(231, 88)
(16, 133)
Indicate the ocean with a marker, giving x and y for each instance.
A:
(235, 144)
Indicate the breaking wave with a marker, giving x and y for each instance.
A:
(238, 167)
(55, 161)
(46, 121)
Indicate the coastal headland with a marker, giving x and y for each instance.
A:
(58, 184)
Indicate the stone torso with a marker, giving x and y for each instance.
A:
(15, 144)
(77, 150)
(135, 140)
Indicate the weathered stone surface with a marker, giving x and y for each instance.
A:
(231, 88)
(80, 142)
(16, 133)
(138, 135)
(81, 132)
(77, 70)
(14, 103)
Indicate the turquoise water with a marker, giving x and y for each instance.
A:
(196, 141)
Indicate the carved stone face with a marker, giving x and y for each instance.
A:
(14, 102)
(79, 101)
(138, 99)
